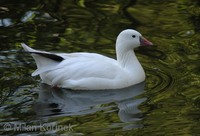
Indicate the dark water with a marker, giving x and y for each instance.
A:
(166, 104)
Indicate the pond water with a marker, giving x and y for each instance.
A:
(167, 103)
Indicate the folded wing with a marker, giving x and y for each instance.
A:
(56, 68)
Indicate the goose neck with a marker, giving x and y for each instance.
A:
(131, 65)
(126, 58)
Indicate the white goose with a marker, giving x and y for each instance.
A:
(91, 71)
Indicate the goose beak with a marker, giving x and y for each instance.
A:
(145, 42)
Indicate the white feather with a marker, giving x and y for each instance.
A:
(92, 71)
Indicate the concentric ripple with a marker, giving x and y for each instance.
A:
(158, 81)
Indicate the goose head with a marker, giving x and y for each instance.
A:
(130, 39)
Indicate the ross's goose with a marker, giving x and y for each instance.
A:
(91, 71)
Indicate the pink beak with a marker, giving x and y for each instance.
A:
(145, 42)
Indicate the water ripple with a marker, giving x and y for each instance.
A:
(158, 81)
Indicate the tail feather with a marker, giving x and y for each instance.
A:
(45, 61)
(27, 48)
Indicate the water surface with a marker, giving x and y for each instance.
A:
(166, 104)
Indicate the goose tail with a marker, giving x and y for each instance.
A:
(45, 61)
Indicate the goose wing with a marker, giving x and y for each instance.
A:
(73, 66)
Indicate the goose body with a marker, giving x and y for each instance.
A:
(91, 71)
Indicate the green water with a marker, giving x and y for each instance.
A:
(168, 103)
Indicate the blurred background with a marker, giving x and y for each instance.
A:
(172, 65)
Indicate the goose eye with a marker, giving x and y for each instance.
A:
(133, 36)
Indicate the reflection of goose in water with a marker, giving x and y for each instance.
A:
(63, 102)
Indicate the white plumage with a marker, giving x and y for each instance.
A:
(91, 71)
